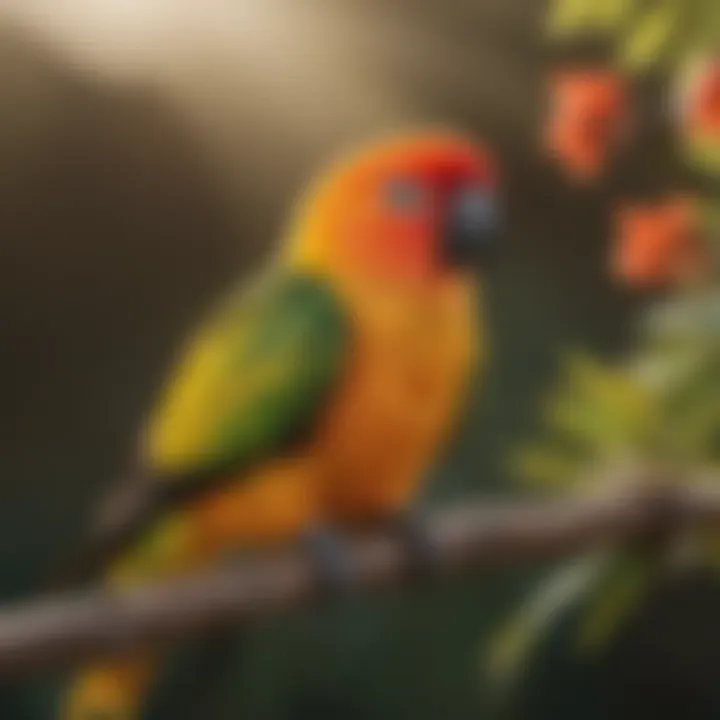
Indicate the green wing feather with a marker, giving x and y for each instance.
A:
(254, 379)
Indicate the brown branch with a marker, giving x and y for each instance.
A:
(71, 628)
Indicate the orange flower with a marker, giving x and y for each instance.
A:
(658, 244)
(702, 112)
(588, 110)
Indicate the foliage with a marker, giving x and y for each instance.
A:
(657, 407)
(660, 406)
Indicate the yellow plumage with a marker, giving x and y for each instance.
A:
(413, 352)
(415, 337)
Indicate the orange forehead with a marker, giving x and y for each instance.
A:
(346, 220)
(440, 159)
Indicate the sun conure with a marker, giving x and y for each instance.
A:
(317, 397)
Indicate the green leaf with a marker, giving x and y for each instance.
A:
(703, 153)
(547, 466)
(569, 17)
(650, 38)
(511, 649)
(596, 594)
(610, 14)
(604, 409)
(624, 584)
(693, 413)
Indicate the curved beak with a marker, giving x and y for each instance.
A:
(472, 225)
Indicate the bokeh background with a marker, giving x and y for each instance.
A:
(149, 150)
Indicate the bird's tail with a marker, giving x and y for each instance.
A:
(113, 690)
(126, 688)
(127, 509)
(201, 678)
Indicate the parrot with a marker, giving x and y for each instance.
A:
(315, 398)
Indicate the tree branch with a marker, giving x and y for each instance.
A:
(66, 629)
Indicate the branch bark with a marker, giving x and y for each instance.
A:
(61, 630)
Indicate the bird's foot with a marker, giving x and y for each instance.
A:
(424, 561)
(335, 567)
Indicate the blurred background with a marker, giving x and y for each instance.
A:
(149, 150)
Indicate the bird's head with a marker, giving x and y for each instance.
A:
(413, 208)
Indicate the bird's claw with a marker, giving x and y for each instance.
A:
(424, 562)
(336, 571)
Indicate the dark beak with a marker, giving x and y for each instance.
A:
(471, 227)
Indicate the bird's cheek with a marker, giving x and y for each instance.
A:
(410, 241)
(396, 245)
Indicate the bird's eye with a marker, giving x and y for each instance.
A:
(405, 196)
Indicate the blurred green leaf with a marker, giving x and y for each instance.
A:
(568, 17)
(599, 593)
(703, 153)
(546, 466)
(650, 37)
(624, 585)
(511, 648)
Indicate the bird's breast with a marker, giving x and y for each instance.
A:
(403, 391)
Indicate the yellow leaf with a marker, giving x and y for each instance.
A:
(704, 153)
(511, 648)
(617, 597)
(569, 17)
(546, 467)
(609, 14)
(651, 37)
